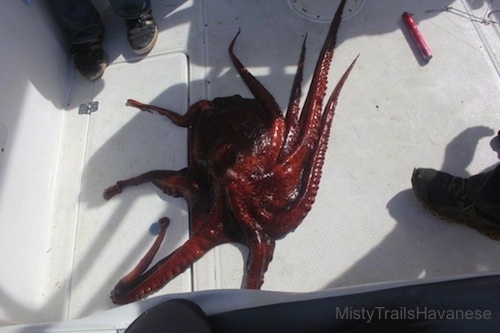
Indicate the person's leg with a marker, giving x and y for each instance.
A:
(130, 9)
(82, 24)
(79, 19)
(484, 192)
(141, 27)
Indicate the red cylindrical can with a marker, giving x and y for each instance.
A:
(417, 36)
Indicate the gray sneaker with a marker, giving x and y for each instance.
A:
(142, 33)
(445, 196)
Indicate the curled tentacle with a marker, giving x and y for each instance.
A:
(137, 285)
(141, 267)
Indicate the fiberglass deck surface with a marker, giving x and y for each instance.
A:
(395, 113)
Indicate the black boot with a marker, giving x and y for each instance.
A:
(142, 33)
(90, 58)
(446, 197)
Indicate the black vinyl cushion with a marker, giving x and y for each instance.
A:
(467, 305)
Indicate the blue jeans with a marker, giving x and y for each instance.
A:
(81, 21)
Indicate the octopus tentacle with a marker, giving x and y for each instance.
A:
(315, 164)
(176, 118)
(311, 112)
(129, 290)
(171, 182)
(261, 249)
(310, 150)
(292, 113)
(257, 89)
(277, 124)
(141, 267)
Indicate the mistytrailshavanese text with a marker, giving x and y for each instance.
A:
(406, 313)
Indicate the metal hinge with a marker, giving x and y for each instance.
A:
(88, 108)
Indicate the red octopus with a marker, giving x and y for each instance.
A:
(252, 174)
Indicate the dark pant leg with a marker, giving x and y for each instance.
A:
(484, 191)
(130, 9)
(78, 18)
